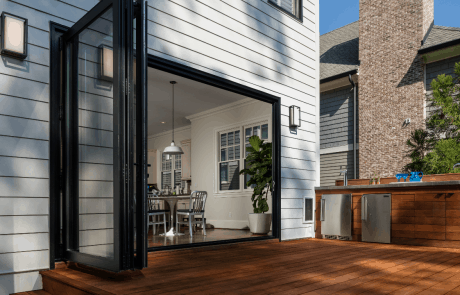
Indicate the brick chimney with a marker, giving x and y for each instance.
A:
(391, 77)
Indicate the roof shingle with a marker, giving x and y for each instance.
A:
(339, 50)
(439, 35)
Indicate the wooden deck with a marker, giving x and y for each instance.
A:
(299, 267)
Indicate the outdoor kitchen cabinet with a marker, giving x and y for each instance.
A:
(425, 213)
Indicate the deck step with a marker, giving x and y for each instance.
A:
(56, 284)
(38, 292)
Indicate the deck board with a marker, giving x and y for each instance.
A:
(312, 266)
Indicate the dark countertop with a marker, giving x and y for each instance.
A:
(391, 185)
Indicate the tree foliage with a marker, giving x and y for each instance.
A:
(444, 121)
(436, 149)
(419, 145)
(443, 157)
(259, 161)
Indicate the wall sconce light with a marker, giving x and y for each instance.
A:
(106, 62)
(294, 116)
(14, 35)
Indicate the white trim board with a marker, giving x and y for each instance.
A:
(338, 149)
(176, 130)
(221, 109)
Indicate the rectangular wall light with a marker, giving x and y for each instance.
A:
(14, 35)
(294, 116)
(106, 62)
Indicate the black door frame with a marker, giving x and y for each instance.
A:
(126, 256)
(57, 30)
(184, 71)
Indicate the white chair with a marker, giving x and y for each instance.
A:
(196, 207)
(154, 211)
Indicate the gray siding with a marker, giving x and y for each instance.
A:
(336, 122)
(331, 165)
(433, 70)
(24, 145)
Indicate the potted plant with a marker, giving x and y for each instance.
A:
(259, 163)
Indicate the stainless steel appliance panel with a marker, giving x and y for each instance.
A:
(336, 215)
(376, 218)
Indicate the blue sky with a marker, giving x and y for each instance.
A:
(337, 13)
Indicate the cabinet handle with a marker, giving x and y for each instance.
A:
(364, 209)
(323, 208)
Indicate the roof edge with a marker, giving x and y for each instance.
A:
(338, 76)
(439, 46)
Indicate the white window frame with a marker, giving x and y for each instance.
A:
(313, 210)
(241, 192)
(219, 160)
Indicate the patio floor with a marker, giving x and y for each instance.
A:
(297, 267)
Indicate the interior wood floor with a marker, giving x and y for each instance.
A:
(310, 266)
(214, 234)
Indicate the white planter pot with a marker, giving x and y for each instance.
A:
(259, 223)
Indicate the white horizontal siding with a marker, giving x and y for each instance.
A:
(24, 261)
(23, 242)
(23, 224)
(24, 145)
(20, 282)
(24, 206)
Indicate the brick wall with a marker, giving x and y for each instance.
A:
(391, 81)
(428, 15)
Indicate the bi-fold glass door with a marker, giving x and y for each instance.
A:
(104, 75)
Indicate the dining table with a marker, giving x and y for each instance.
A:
(172, 202)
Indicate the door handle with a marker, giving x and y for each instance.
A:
(323, 207)
(364, 209)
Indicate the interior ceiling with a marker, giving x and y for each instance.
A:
(190, 98)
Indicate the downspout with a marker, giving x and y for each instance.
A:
(354, 124)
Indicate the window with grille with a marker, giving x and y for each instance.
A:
(232, 155)
(171, 171)
(292, 7)
(229, 164)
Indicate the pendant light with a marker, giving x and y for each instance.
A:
(172, 149)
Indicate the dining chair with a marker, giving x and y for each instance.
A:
(196, 207)
(154, 211)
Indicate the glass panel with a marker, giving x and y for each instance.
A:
(237, 152)
(230, 153)
(165, 180)
(237, 137)
(265, 131)
(247, 177)
(256, 130)
(230, 138)
(223, 155)
(223, 167)
(178, 162)
(248, 133)
(246, 152)
(229, 177)
(177, 179)
(308, 209)
(223, 140)
(96, 122)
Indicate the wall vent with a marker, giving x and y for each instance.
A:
(336, 237)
